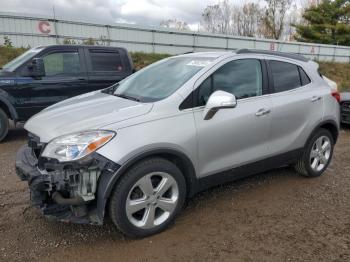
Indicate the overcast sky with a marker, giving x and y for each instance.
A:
(145, 12)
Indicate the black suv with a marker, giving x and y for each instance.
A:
(46, 75)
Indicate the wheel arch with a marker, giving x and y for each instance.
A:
(332, 127)
(181, 160)
(329, 125)
(8, 108)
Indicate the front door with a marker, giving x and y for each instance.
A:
(65, 77)
(236, 136)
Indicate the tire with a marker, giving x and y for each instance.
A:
(146, 183)
(311, 163)
(4, 125)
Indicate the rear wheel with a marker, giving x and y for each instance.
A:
(148, 197)
(4, 124)
(317, 155)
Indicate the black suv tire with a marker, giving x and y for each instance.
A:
(4, 125)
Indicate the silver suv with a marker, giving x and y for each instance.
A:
(141, 147)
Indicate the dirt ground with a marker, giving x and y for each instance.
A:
(275, 216)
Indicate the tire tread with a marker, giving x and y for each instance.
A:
(4, 118)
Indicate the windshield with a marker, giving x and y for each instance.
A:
(161, 79)
(12, 65)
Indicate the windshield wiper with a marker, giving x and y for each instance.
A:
(128, 97)
(111, 89)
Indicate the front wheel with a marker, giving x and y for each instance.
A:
(317, 154)
(148, 197)
(4, 125)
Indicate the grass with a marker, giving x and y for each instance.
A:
(338, 72)
(141, 59)
(9, 53)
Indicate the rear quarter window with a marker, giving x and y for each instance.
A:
(304, 77)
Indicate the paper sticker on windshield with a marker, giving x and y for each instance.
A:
(200, 63)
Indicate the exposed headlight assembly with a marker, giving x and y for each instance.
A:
(76, 146)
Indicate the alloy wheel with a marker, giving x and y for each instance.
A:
(320, 153)
(152, 200)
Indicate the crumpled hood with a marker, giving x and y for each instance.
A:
(84, 112)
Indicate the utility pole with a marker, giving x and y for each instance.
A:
(54, 23)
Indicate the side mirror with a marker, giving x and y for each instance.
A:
(218, 100)
(36, 67)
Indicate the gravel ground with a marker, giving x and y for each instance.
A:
(275, 216)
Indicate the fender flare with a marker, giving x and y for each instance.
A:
(107, 181)
(12, 110)
(326, 122)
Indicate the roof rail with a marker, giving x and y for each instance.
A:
(275, 53)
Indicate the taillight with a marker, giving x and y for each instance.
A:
(336, 95)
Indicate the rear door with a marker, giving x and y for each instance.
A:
(297, 106)
(106, 66)
(235, 136)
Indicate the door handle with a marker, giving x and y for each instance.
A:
(315, 98)
(262, 111)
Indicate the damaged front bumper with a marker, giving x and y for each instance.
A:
(65, 191)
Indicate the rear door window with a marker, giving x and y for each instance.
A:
(105, 61)
(285, 76)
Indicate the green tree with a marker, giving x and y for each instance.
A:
(326, 23)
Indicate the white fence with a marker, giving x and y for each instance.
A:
(24, 30)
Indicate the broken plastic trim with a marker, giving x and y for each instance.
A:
(75, 201)
(65, 191)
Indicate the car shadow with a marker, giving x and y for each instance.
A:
(345, 127)
(243, 184)
(16, 133)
